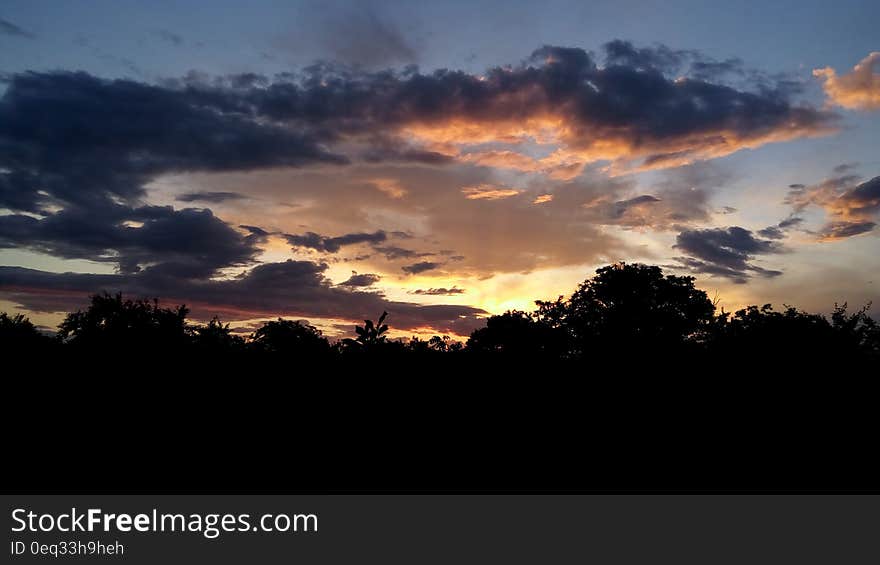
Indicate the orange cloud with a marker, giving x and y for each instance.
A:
(852, 210)
(389, 186)
(624, 148)
(488, 192)
(857, 90)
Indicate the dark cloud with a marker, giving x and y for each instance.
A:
(392, 252)
(864, 198)
(629, 111)
(661, 58)
(707, 69)
(78, 139)
(779, 230)
(438, 291)
(772, 232)
(841, 230)
(324, 244)
(189, 242)
(291, 288)
(419, 267)
(726, 252)
(212, 197)
(365, 279)
(9, 28)
(790, 222)
(257, 231)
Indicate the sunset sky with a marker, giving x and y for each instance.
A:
(439, 160)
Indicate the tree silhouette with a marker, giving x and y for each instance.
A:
(625, 313)
(125, 324)
(216, 338)
(289, 338)
(518, 334)
(18, 334)
(629, 307)
(795, 335)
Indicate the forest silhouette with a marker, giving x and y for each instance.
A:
(630, 313)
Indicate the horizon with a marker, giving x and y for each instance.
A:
(328, 162)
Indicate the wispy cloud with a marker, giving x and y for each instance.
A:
(9, 28)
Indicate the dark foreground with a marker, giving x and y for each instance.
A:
(597, 392)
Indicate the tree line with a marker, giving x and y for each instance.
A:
(626, 313)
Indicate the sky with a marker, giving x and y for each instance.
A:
(443, 161)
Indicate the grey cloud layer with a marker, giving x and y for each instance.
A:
(291, 288)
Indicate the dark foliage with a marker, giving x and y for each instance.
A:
(112, 323)
(18, 334)
(628, 307)
(289, 338)
(630, 314)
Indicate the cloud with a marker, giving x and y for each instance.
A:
(843, 230)
(779, 230)
(292, 288)
(726, 252)
(318, 242)
(852, 208)
(629, 114)
(681, 197)
(390, 187)
(392, 252)
(857, 90)
(624, 53)
(79, 155)
(9, 28)
(74, 138)
(366, 279)
(188, 242)
(621, 206)
(438, 291)
(212, 197)
(169, 37)
(488, 192)
(361, 35)
(419, 267)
